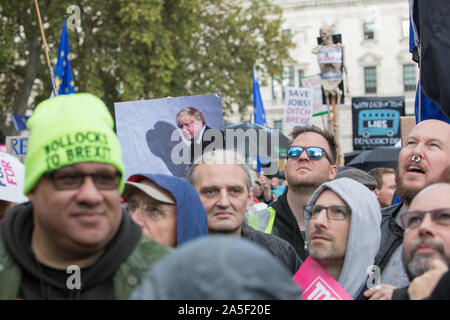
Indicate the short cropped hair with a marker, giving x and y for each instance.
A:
(324, 133)
(378, 173)
(221, 156)
(358, 175)
(193, 112)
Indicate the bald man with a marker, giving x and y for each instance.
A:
(423, 161)
(426, 244)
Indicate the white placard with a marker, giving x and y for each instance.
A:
(313, 82)
(298, 110)
(329, 55)
(12, 179)
(148, 132)
(17, 146)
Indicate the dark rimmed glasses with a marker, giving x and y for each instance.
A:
(413, 219)
(65, 180)
(313, 153)
(333, 212)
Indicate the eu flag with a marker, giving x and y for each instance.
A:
(64, 77)
(428, 109)
(431, 28)
(260, 115)
(20, 122)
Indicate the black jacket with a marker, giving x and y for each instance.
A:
(400, 294)
(286, 227)
(98, 281)
(442, 289)
(217, 138)
(278, 247)
(391, 235)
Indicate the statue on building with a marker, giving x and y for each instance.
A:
(330, 57)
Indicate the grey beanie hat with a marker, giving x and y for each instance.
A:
(218, 267)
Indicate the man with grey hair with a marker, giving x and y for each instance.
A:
(224, 184)
(426, 244)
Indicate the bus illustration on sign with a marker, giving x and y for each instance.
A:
(378, 122)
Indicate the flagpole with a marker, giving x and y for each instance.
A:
(52, 74)
(253, 109)
(420, 83)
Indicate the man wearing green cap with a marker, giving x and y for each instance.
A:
(72, 240)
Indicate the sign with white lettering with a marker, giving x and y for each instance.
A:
(299, 106)
(376, 121)
(317, 284)
(12, 179)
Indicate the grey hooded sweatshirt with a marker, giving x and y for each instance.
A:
(364, 235)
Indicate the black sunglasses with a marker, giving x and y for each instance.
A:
(313, 153)
(63, 180)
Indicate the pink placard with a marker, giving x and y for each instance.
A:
(317, 284)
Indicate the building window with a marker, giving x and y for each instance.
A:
(405, 28)
(370, 79)
(368, 31)
(275, 86)
(301, 75)
(278, 124)
(288, 78)
(287, 33)
(409, 77)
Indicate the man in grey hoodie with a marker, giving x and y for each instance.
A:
(342, 221)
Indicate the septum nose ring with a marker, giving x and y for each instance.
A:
(416, 160)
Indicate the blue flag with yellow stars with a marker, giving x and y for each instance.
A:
(260, 115)
(63, 72)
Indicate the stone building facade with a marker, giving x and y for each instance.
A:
(375, 35)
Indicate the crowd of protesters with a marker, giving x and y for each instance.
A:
(225, 232)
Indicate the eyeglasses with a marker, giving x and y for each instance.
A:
(313, 153)
(150, 209)
(413, 219)
(333, 212)
(63, 180)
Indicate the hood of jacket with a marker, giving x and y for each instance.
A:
(219, 267)
(16, 230)
(192, 221)
(364, 235)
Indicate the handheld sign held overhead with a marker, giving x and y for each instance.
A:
(12, 179)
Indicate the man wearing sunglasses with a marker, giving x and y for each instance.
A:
(73, 241)
(311, 162)
(342, 221)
